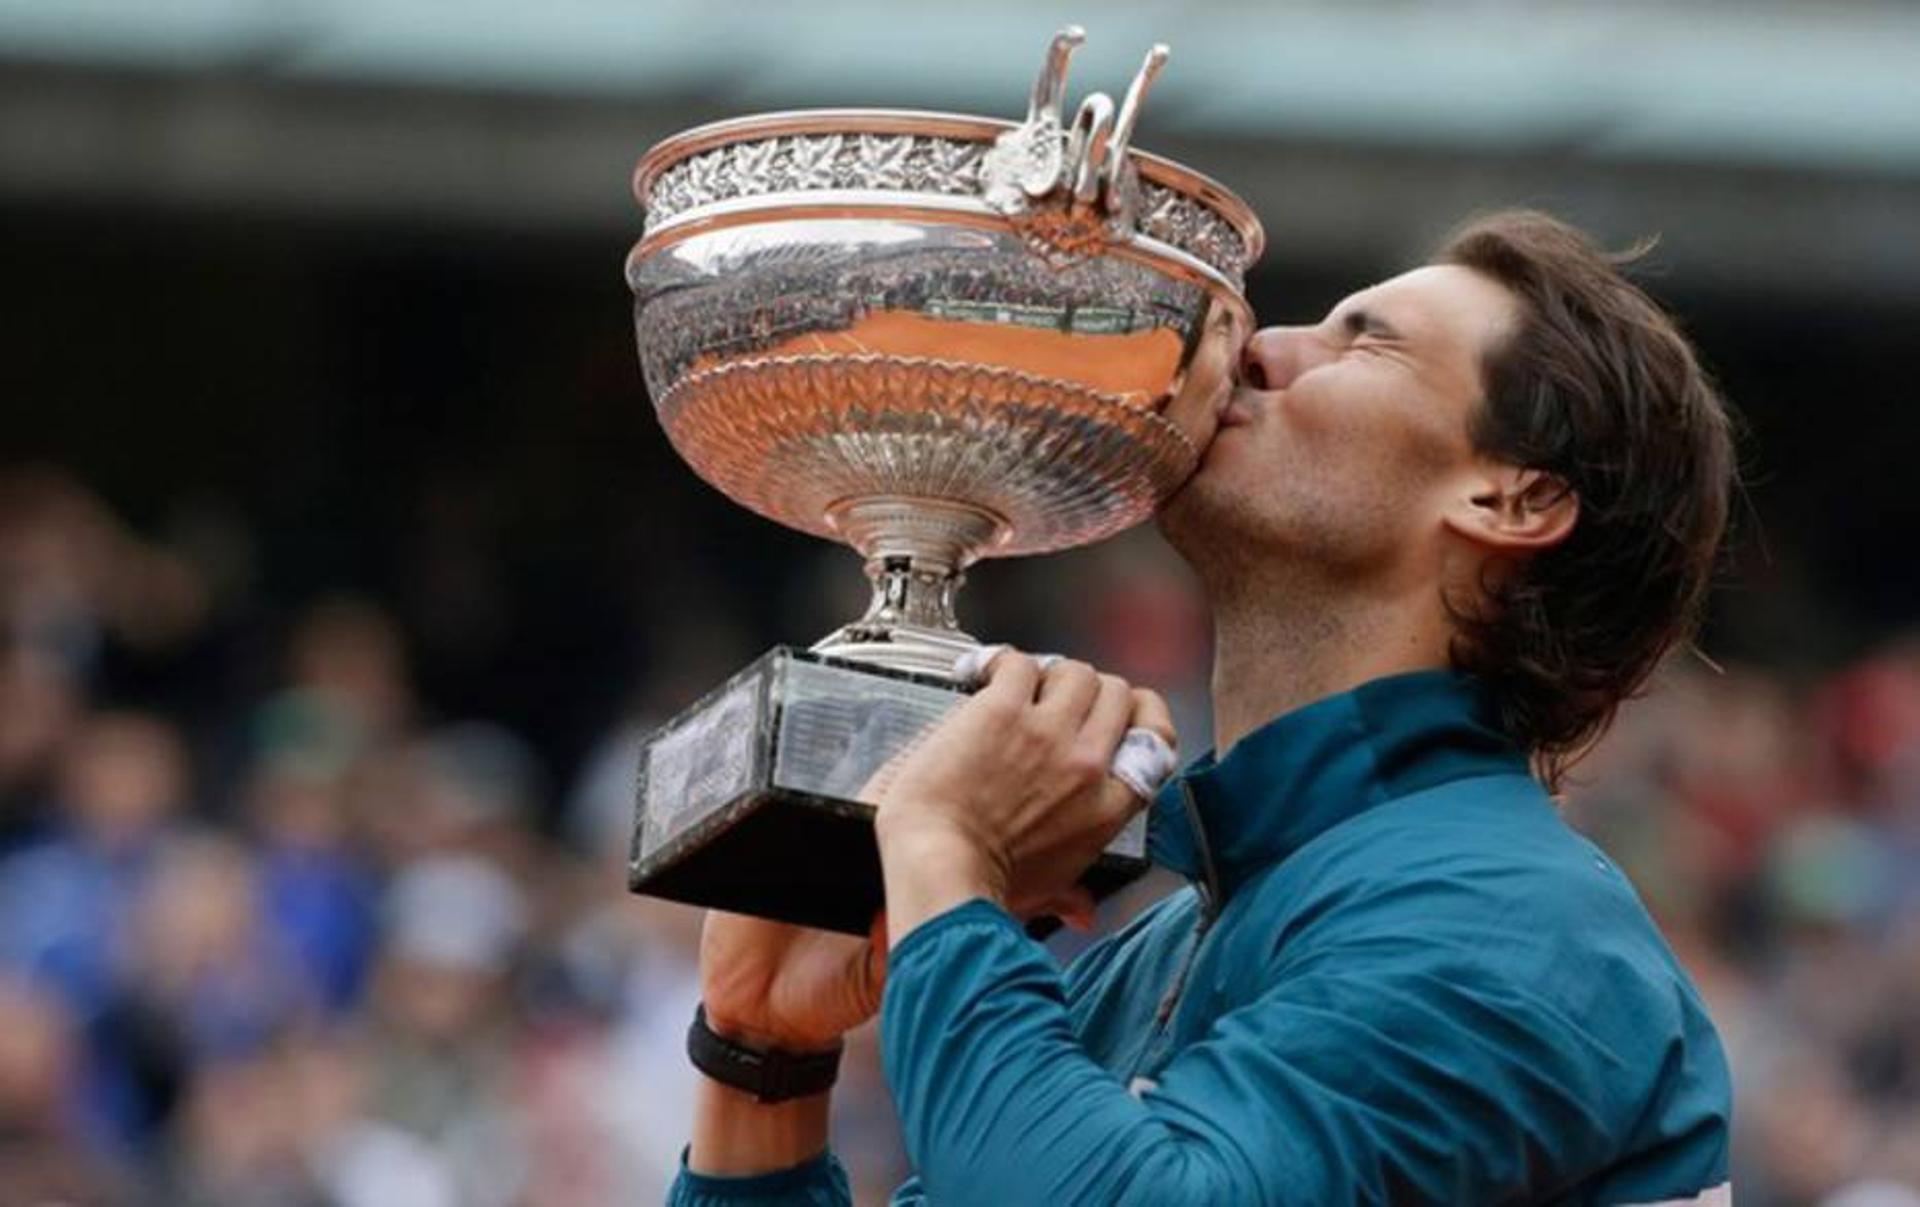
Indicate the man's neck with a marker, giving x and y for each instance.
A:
(1277, 648)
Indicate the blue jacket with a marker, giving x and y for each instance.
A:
(1397, 976)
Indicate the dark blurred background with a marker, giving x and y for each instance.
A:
(341, 560)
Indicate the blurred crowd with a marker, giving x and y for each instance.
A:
(1772, 825)
(302, 938)
(310, 945)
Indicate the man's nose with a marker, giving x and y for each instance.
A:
(1277, 355)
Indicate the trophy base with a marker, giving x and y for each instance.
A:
(748, 801)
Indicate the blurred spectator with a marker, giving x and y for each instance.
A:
(68, 907)
(347, 654)
(632, 966)
(317, 890)
(71, 573)
(39, 705)
(43, 1155)
(470, 788)
(207, 973)
(444, 1023)
(288, 1127)
(65, 905)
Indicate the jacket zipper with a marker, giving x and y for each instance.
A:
(1207, 887)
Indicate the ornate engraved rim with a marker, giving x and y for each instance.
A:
(1153, 169)
(847, 203)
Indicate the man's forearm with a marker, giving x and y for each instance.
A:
(735, 1135)
(927, 872)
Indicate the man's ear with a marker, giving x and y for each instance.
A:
(1514, 510)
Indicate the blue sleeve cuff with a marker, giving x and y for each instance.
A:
(818, 1182)
(978, 912)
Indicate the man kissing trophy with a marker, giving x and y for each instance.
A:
(937, 339)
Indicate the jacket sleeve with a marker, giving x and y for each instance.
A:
(821, 1182)
(1409, 1084)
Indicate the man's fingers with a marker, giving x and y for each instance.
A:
(1143, 763)
(970, 668)
(1117, 804)
(1009, 677)
(1068, 690)
(1150, 711)
(1107, 720)
(1146, 755)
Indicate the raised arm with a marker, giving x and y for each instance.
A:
(1011, 797)
(773, 986)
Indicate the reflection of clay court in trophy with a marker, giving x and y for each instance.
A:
(936, 339)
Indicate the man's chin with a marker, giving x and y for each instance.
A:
(1190, 515)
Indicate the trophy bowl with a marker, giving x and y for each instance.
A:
(935, 338)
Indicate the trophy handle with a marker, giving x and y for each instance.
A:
(1067, 189)
(1050, 90)
(1124, 124)
(1088, 147)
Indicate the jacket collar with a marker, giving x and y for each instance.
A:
(1308, 770)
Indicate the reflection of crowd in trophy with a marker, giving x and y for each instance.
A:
(769, 301)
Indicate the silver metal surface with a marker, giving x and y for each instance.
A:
(760, 797)
(938, 338)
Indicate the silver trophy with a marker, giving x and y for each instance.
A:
(937, 339)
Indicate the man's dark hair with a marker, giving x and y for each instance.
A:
(1598, 388)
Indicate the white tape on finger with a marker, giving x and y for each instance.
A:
(970, 668)
(1144, 761)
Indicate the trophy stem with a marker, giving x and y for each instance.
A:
(917, 552)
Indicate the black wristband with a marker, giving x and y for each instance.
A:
(770, 1075)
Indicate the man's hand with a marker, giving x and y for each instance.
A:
(1010, 798)
(776, 985)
